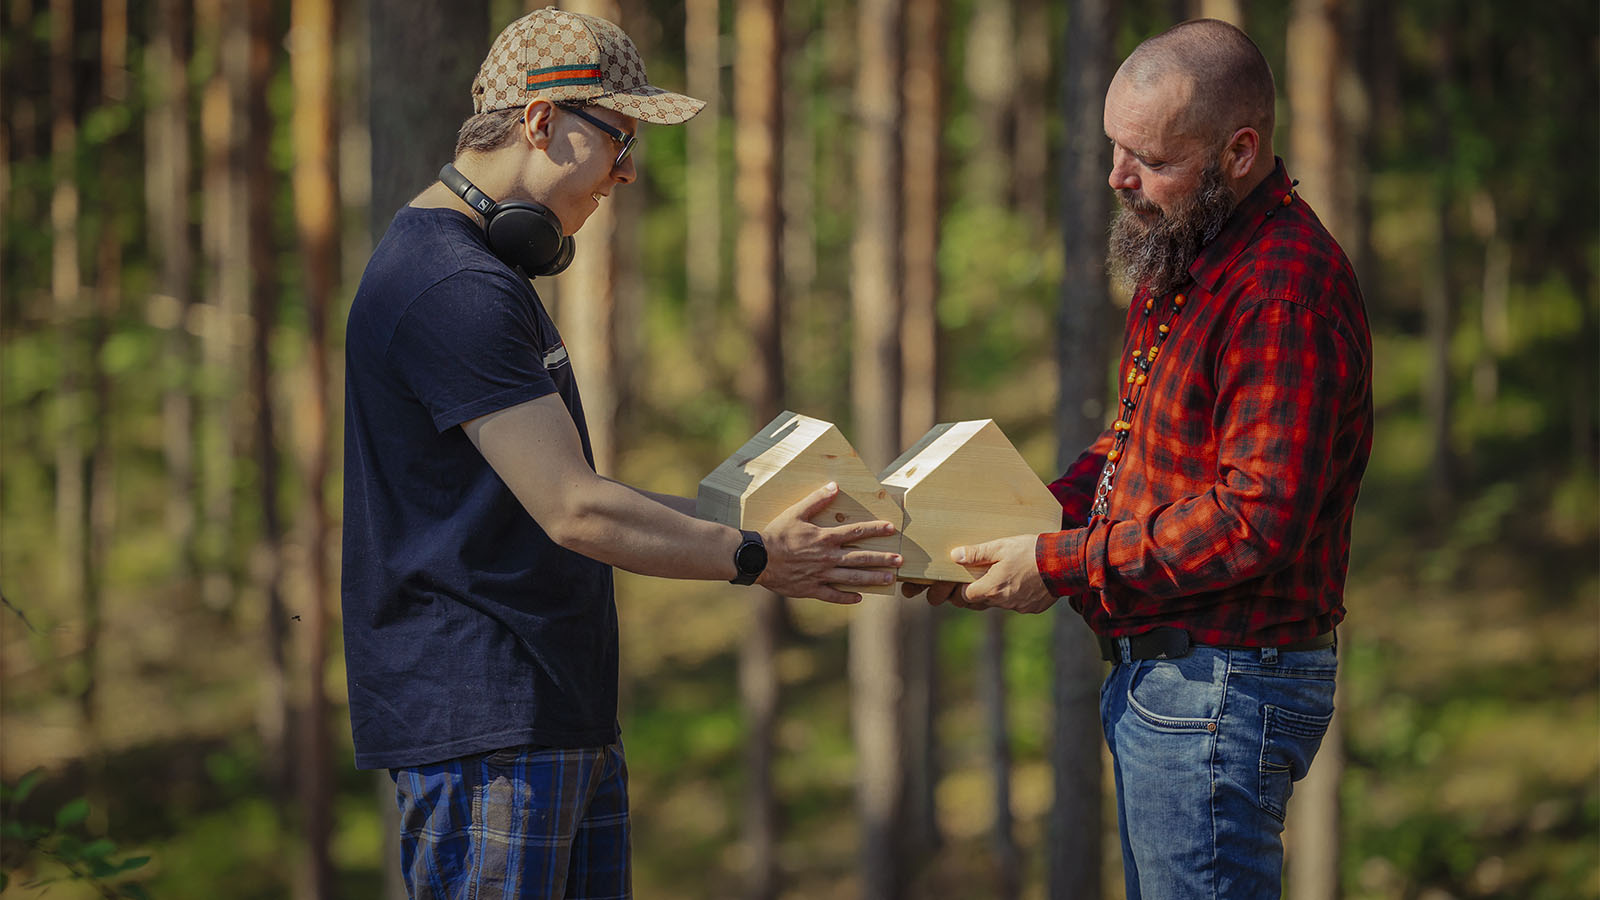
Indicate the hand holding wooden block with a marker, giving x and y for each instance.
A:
(791, 457)
(963, 483)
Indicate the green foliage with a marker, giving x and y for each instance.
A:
(39, 853)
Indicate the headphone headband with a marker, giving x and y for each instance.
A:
(466, 190)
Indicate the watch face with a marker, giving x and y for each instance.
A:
(751, 558)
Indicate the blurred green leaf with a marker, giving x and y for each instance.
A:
(74, 812)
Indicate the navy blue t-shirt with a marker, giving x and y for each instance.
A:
(466, 627)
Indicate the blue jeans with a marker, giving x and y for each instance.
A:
(1206, 750)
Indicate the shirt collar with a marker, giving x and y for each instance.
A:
(1215, 257)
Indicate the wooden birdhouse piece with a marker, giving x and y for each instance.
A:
(964, 483)
(791, 457)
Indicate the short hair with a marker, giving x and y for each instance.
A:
(1233, 85)
(489, 131)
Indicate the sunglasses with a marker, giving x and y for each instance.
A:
(616, 134)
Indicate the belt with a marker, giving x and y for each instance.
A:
(1172, 643)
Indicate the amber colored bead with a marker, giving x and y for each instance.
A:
(1121, 425)
(1114, 455)
(1163, 329)
(1141, 380)
(1149, 304)
(1138, 353)
(1288, 199)
(1132, 374)
(1154, 351)
(1179, 301)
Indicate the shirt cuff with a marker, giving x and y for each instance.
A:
(1059, 556)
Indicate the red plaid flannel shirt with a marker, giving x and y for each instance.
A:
(1230, 514)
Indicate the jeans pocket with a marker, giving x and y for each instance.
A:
(1176, 694)
(1289, 741)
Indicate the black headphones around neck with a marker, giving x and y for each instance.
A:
(521, 233)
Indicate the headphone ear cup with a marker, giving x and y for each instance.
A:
(528, 235)
(562, 259)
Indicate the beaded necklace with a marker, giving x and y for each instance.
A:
(1134, 383)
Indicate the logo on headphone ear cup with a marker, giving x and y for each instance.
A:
(528, 235)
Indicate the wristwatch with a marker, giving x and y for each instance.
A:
(749, 558)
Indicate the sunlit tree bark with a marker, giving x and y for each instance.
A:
(1030, 150)
(316, 203)
(1317, 141)
(1226, 10)
(167, 181)
(922, 94)
(703, 197)
(264, 287)
(758, 143)
(876, 669)
(991, 76)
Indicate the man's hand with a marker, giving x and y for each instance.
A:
(806, 560)
(1012, 579)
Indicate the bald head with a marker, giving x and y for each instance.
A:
(1226, 79)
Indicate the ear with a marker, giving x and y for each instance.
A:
(1239, 157)
(537, 126)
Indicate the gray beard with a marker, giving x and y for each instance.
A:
(1158, 256)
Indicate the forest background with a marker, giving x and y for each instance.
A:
(892, 214)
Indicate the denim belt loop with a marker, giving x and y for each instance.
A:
(1269, 656)
(1123, 650)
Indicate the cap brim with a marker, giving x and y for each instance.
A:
(649, 103)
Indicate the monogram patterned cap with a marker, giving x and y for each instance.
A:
(571, 57)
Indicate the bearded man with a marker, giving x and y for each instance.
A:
(1207, 531)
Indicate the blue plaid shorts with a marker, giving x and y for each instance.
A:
(517, 823)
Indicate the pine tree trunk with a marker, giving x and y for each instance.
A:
(262, 254)
(992, 693)
(99, 491)
(66, 289)
(703, 197)
(991, 74)
(167, 182)
(1083, 351)
(224, 434)
(1030, 150)
(316, 201)
(1437, 294)
(876, 670)
(758, 276)
(1315, 54)
(1226, 10)
(921, 157)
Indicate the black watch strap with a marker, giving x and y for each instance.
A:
(749, 558)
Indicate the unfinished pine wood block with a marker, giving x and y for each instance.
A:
(964, 483)
(791, 457)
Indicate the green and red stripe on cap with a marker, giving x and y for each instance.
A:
(561, 76)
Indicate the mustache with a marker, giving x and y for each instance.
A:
(1136, 202)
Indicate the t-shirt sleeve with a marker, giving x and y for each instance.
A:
(469, 346)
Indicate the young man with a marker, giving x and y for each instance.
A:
(1208, 531)
(480, 628)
